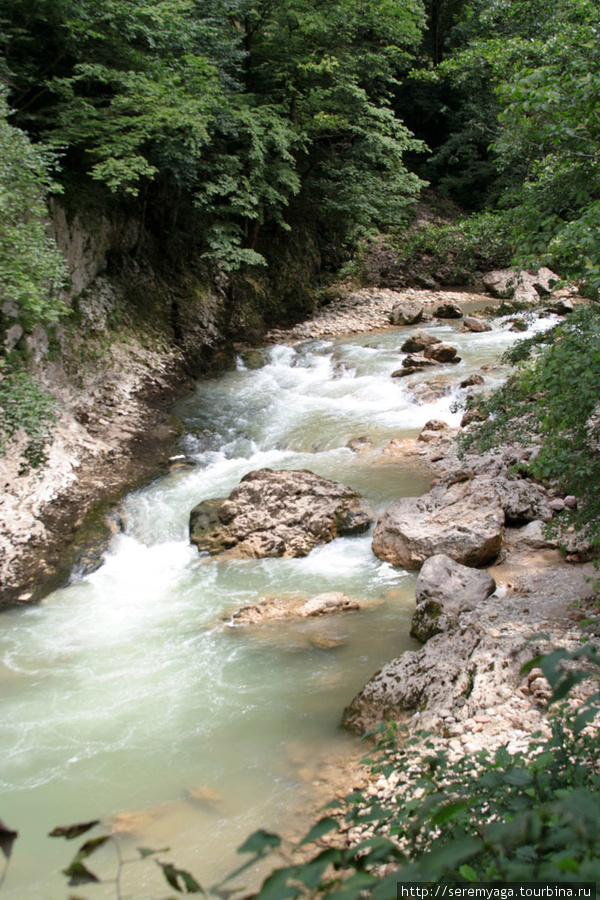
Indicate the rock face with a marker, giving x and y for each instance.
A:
(443, 591)
(409, 312)
(442, 353)
(455, 587)
(477, 326)
(430, 618)
(448, 310)
(510, 284)
(293, 608)
(464, 521)
(278, 514)
(419, 341)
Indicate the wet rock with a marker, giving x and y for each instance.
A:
(476, 325)
(518, 325)
(419, 341)
(435, 425)
(253, 359)
(454, 587)
(472, 415)
(408, 312)
(448, 310)
(324, 642)
(360, 443)
(278, 514)
(562, 307)
(205, 796)
(418, 362)
(442, 353)
(429, 392)
(279, 608)
(472, 380)
(464, 521)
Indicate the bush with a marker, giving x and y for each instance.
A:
(459, 251)
(24, 404)
(554, 395)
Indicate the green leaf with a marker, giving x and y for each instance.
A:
(77, 874)
(260, 842)
(72, 831)
(7, 839)
(322, 827)
(448, 812)
(468, 873)
(179, 879)
(145, 851)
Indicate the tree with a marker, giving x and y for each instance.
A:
(32, 269)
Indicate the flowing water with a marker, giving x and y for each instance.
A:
(126, 696)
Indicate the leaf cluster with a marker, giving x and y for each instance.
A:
(26, 405)
(554, 395)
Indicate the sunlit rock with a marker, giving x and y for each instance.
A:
(278, 514)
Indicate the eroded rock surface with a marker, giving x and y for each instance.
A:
(465, 521)
(278, 514)
(455, 587)
(278, 608)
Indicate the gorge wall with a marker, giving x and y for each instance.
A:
(147, 314)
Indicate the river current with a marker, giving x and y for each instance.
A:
(126, 695)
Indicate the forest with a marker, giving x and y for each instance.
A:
(227, 129)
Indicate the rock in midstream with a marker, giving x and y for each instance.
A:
(283, 513)
(278, 609)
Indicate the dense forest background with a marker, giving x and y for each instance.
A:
(222, 125)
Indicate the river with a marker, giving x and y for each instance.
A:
(126, 694)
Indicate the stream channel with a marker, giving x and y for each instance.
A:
(126, 696)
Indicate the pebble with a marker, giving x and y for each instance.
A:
(481, 720)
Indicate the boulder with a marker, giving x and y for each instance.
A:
(423, 679)
(464, 521)
(429, 619)
(472, 415)
(472, 380)
(419, 341)
(278, 514)
(460, 673)
(524, 287)
(472, 323)
(418, 362)
(562, 307)
(454, 587)
(408, 312)
(429, 392)
(529, 537)
(448, 310)
(279, 608)
(435, 425)
(442, 353)
(522, 500)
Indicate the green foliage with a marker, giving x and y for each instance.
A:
(555, 397)
(232, 108)
(551, 124)
(78, 873)
(32, 269)
(461, 249)
(508, 817)
(24, 404)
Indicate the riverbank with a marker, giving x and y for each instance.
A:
(113, 434)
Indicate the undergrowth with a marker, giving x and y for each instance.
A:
(26, 406)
